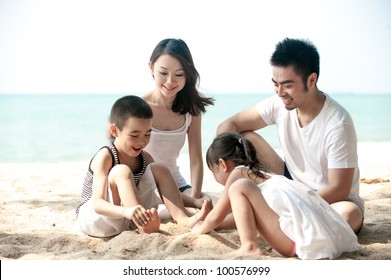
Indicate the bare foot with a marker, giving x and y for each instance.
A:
(249, 249)
(153, 224)
(200, 215)
(200, 202)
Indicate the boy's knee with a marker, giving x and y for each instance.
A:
(120, 171)
(120, 168)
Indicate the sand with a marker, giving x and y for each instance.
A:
(37, 218)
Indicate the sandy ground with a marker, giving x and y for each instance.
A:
(37, 217)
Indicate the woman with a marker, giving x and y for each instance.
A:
(177, 106)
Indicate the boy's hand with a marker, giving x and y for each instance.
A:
(138, 215)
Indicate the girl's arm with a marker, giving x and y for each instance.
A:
(217, 216)
(221, 217)
(195, 154)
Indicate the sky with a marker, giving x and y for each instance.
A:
(95, 46)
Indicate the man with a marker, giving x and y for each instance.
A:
(317, 135)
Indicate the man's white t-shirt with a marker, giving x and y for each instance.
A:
(328, 142)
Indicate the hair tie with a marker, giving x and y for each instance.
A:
(240, 140)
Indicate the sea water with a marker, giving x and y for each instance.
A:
(56, 128)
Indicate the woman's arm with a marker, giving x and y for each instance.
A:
(195, 154)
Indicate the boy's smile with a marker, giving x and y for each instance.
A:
(134, 136)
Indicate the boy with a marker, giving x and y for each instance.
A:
(123, 186)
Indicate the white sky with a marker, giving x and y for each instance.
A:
(94, 46)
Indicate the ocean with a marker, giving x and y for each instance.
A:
(58, 128)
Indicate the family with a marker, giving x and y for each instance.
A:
(305, 204)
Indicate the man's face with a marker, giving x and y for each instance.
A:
(289, 87)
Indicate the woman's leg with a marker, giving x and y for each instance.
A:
(173, 200)
(193, 202)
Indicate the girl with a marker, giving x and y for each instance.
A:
(177, 106)
(291, 217)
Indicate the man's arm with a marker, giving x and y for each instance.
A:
(246, 120)
(340, 184)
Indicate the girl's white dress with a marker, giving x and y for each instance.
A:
(306, 218)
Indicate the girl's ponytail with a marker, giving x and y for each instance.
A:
(234, 147)
(252, 158)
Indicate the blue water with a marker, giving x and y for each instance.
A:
(55, 128)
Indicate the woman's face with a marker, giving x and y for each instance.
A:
(169, 75)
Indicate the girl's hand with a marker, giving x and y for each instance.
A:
(138, 215)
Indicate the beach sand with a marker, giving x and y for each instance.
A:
(37, 217)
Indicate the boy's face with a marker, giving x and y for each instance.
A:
(134, 136)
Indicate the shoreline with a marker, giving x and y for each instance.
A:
(37, 217)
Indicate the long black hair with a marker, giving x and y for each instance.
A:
(189, 99)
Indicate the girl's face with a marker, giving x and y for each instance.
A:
(219, 172)
(134, 136)
(169, 75)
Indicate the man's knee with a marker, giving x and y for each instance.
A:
(350, 212)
